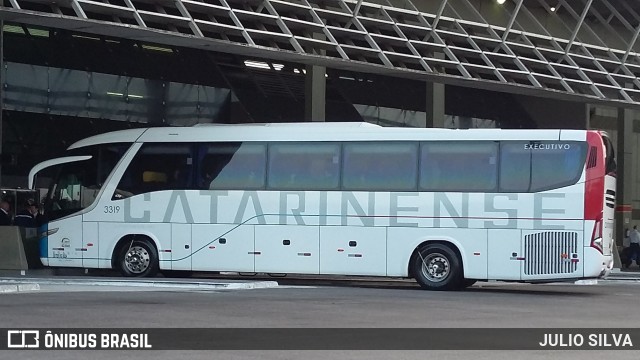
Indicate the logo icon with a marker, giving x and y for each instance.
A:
(23, 339)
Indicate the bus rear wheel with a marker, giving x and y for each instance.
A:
(437, 267)
(138, 258)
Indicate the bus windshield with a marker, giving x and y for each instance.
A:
(74, 186)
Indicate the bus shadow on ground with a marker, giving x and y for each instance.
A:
(565, 288)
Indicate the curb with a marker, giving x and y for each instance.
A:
(19, 288)
(586, 282)
(186, 285)
(623, 278)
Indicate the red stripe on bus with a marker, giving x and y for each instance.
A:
(594, 184)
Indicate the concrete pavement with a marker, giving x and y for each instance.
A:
(93, 280)
(34, 280)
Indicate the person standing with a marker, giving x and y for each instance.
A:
(5, 213)
(634, 246)
(625, 241)
(27, 217)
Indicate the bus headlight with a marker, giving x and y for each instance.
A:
(48, 232)
(596, 236)
(597, 243)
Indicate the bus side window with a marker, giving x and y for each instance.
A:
(557, 166)
(232, 166)
(380, 166)
(446, 166)
(312, 166)
(515, 167)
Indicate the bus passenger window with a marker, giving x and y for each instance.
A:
(381, 166)
(556, 164)
(232, 166)
(515, 167)
(459, 166)
(310, 166)
(532, 166)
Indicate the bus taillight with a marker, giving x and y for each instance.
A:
(596, 236)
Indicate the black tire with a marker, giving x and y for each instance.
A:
(138, 258)
(437, 267)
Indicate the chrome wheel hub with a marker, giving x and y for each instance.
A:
(137, 259)
(435, 267)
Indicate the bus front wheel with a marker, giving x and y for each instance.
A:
(138, 258)
(437, 267)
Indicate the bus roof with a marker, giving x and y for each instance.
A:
(305, 124)
(320, 132)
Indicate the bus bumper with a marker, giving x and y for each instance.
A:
(596, 265)
(44, 244)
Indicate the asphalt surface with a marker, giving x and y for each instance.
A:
(343, 303)
(493, 305)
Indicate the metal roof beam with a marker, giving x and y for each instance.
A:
(578, 26)
(443, 4)
(512, 20)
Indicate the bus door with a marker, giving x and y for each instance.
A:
(90, 235)
(63, 245)
(181, 246)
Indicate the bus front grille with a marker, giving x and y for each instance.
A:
(551, 252)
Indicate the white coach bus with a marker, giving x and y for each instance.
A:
(446, 207)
